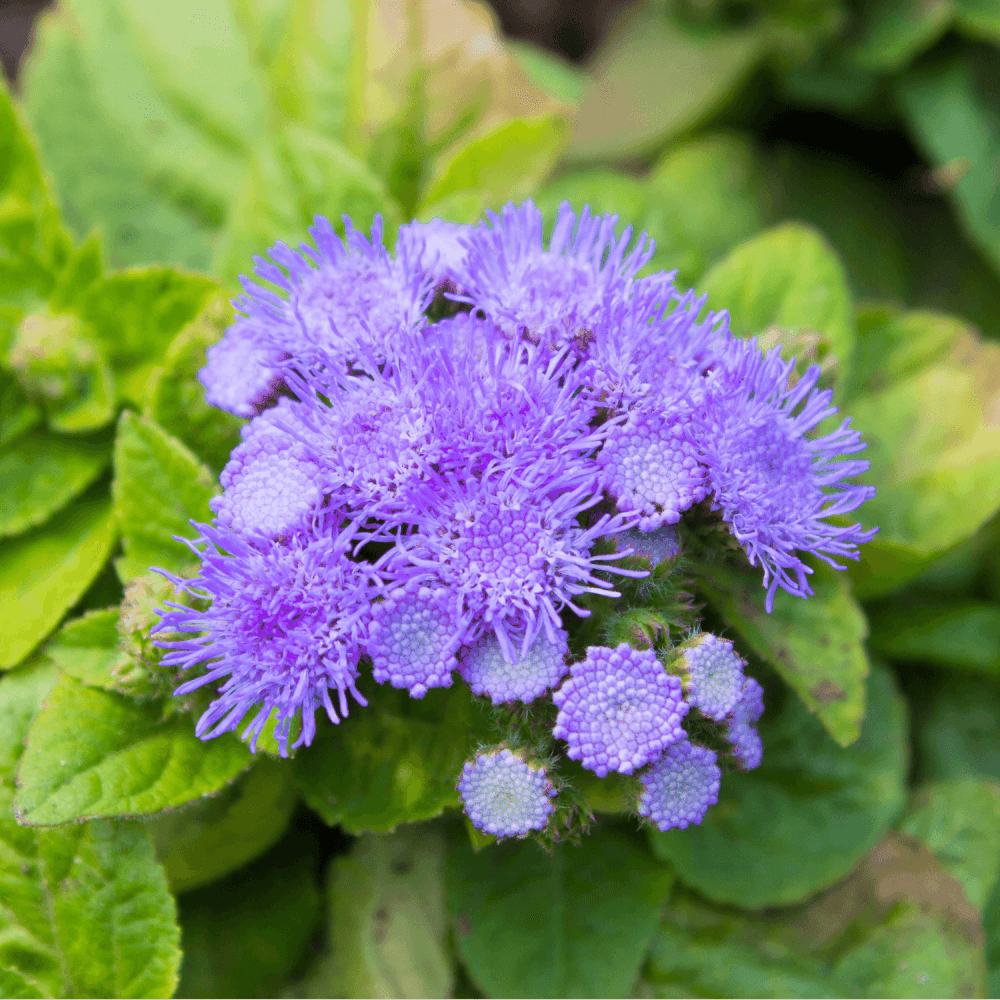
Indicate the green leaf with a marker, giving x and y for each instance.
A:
(789, 277)
(809, 800)
(14, 985)
(44, 572)
(93, 753)
(17, 413)
(948, 104)
(136, 314)
(504, 164)
(394, 762)
(176, 399)
(388, 919)
(551, 73)
(159, 488)
(964, 635)
(603, 190)
(41, 474)
(653, 79)
(99, 173)
(959, 822)
(293, 177)
(932, 444)
(33, 243)
(816, 645)
(212, 837)
(245, 935)
(703, 198)
(956, 732)
(87, 648)
(978, 19)
(893, 32)
(86, 911)
(573, 923)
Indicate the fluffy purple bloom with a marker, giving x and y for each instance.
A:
(679, 788)
(487, 671)
(285, 627)
(272, 486)
(713, 674)
(552, 295)
(510, 547)
(504, 795)
(619, 709)
(341, 299)
(413, 638)
(657, 546)
(241, 375)
(439, 247)
(774, 485)
(741, 726)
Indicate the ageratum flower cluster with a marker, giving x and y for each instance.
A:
(451, 450)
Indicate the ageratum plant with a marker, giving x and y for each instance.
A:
(453, 451)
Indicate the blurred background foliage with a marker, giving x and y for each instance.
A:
(827, 171)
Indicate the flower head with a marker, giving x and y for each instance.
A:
(741, 726)
(713, 674)
(413, 637)
(242, 374)
(504, 795)
(679, 788)
(619, 709)
(553, 295)
(774, 485)
(523, 678)
(439, 247)
(284, 627)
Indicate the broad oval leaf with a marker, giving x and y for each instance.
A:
(41, 474)
(93, 753)
(44, 572)
(573, 923)
(159, 488)
(823, 805)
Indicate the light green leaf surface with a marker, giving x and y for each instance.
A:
(979, 19)
(810, 800)
(85, 909)
(552, 73)
(703, 198)
(44, 572)
(87, 648)
(212, 837)
(573, 923)
(293, 176)
(243, 936)
(789, 277)
(100, 175)
(94, 753)
(41, 474)
(388, 919)
(892, 33)
(159, 487)
(176, 399)
(653, 79)
(963, 635)
(817, 645)
(949, 106)
(504, 164)
(396, 761)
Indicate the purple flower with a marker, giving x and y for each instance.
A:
(741, 726)
(439, 247)
(413, 638)
(524, 678)
(775, 486)
(241, 375)
(285, 627)
(657, 546)
(678, 789)
(713, 674)
(554, 295)
(504, 795)
(271, 484)
(341, 299)
(619, 709)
